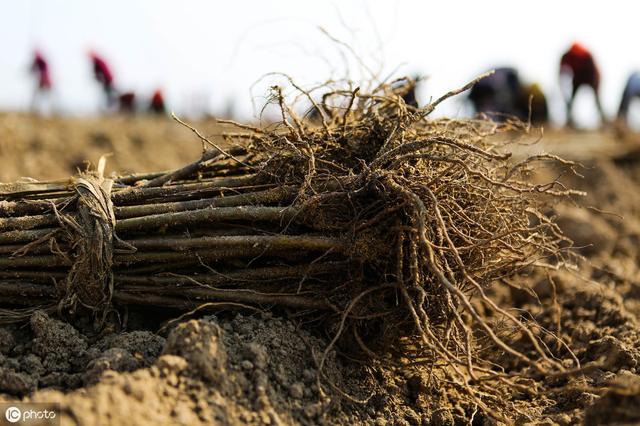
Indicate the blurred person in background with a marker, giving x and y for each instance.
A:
(406, 89)
(631, 92)
(577, 69)
(497, 94)
(127, 103)
(532, 104)
(104, 77)
(156, 106)
(502, 95)
(42, 91)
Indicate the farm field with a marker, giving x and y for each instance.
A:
(260, 367)
(54, 148)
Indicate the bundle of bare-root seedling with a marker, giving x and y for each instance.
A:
(372, 219)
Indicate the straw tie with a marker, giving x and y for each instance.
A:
(91, 234)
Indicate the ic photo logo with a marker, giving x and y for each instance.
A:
(13, 414)
(30, 413)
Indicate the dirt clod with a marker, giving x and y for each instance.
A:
(198, 343)
(620, 405)
(15, 383)
(60, 346)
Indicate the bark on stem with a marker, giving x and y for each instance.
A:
(191, 169)
(243, 242)
(268, 196)
(208, 215)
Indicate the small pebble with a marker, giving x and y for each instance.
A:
(297, 390)
(308, 375)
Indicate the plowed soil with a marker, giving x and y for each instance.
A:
(262, 368)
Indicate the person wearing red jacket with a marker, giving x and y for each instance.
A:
(104, 77)
(156, 106)
(578, 64)
(40, 69)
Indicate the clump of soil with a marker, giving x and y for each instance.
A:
(261, 365)
(53, 354)
(622, 399)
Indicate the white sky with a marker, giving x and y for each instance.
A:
(211, 51)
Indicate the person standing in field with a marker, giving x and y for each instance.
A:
(156, 106)
(104, 77)
(127, 103)
(40, 69)
(578, 65)
(631, 91)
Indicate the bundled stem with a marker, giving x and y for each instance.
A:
(387, 225)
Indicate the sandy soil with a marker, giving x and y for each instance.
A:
(53, 148)
(242, 368)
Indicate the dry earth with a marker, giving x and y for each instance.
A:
(242, 368)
